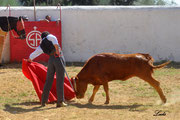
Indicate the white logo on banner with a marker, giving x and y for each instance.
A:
(33, 38)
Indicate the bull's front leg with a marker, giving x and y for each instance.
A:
(106, 89)
(96, 88)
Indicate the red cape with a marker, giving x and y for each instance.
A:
(36, 72)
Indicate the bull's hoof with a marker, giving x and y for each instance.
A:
(90, 101)
(107, 102)
(165, 100)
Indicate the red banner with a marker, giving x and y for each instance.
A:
(20, 49)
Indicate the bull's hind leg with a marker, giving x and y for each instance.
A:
(106, 89)
(156, 85)
(96, 88)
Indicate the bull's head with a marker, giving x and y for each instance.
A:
(80, 87)
(21, 28)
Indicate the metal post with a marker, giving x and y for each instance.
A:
(59, 5)
(9, 10)
(34, 10)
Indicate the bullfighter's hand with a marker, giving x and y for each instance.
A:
(29, 60)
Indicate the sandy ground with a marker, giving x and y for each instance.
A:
(130, 100)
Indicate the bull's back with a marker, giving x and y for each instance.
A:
(113, 66)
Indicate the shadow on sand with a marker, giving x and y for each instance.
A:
(113, 107)
(17, 109)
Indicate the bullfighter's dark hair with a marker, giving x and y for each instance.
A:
(44, 34)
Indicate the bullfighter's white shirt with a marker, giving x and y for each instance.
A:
(39, 51)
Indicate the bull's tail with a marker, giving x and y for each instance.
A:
(161, 65)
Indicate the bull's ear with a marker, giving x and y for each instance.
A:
(76, 78)
(20, 17)
(73, 78)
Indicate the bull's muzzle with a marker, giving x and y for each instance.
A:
(79, 96)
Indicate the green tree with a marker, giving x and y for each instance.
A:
(31, 2)
(161, 2)
(150, 2)
(44, 2)
(122, 2)
(77, 2)
(82, 2)
(10, 2)
(100, 2)
(92, 2)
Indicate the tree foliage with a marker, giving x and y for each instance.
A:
(122, 2)
(31, 2)
(150, 2)
(77, 2)
(9, 2)
(83, 2)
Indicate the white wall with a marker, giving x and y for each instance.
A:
(90, 30)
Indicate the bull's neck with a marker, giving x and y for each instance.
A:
(84, 78)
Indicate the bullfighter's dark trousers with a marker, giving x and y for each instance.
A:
(54, 65)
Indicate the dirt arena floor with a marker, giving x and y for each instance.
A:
(133, 99)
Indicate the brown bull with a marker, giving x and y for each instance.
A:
(105, 67)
